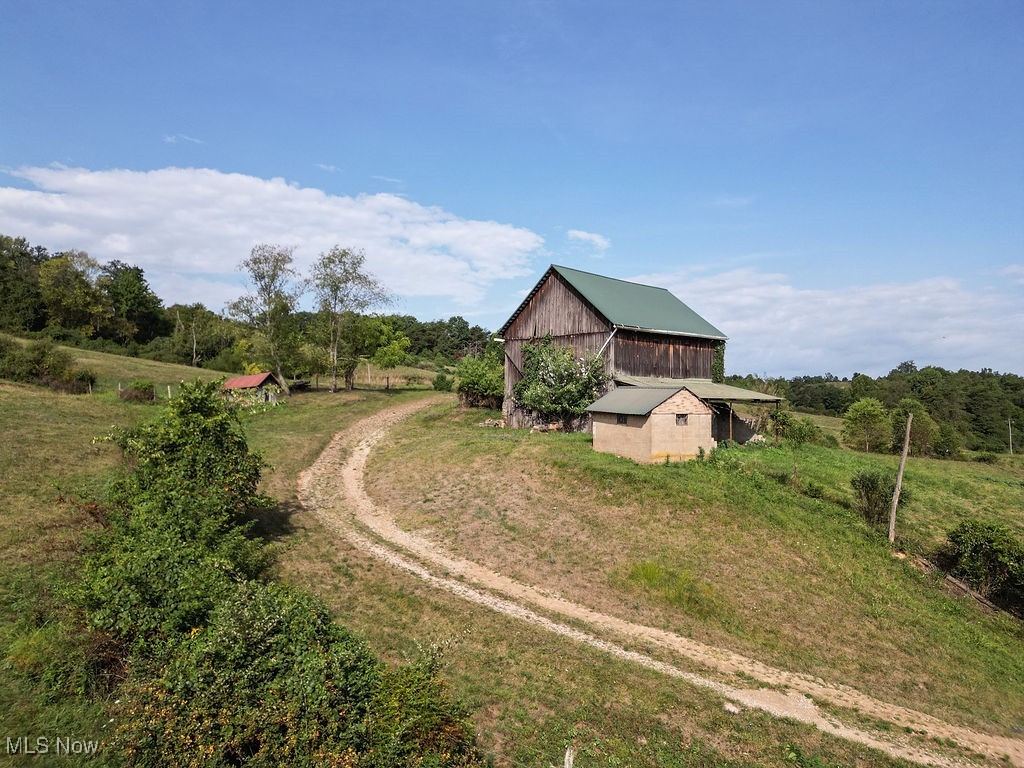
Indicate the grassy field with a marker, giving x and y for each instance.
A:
(548, 507)
(727, 553)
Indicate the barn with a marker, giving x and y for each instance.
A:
(654, 347)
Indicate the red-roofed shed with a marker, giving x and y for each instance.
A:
(252, 381)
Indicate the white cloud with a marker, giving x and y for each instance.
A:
(176, 137)
(188, 228)
(600, 242)
(779, 329)
(1015, 272)
(327, 167)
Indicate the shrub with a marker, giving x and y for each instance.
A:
(138, 392)
(558, 385)
(989, 558)
(874, 489)
(481, 381)
(443, 383)
(272, 680)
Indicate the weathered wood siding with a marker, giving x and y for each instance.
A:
(651, 354)
(556, 310)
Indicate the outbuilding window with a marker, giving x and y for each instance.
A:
(681, 419)
(621, 418)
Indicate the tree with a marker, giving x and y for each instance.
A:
(21, 303)
(270, 307)
(67, 284)
(923, 433)
(558, 385)
(393, 351)
(867, 423)
(342, 286)
(137, 312)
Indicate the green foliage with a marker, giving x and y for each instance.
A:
(874, 490)
(481, 381)
(443, 383)
(797, 430)
(272, 680)
(42, 362)
(866, 424)
(139, 392)
(196, 451)
(680, 588)
(21, 302)
(226, 670)
(989, 558)
(556, 385)
(923, 429)
(718, 363)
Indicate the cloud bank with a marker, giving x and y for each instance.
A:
(778, 329)
(188, 228)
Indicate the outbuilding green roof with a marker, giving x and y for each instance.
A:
(702, 388)
(630, 305)
(641, 395)
(632, 401)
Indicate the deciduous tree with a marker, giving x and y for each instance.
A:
(343, 286)
(270, 307)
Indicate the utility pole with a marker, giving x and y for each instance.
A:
(899, 481)
(1009, 424)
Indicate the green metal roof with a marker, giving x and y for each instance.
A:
(633, 305)
(629, 305)
(635, 401)
(702, 388)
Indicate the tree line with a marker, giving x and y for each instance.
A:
(71, 298)
(976, 409)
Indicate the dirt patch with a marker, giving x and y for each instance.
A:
(333, 487)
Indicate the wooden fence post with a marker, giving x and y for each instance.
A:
(899, 480)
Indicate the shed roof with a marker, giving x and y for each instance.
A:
(632, 401)
(702, 388)
(251, 381)
(629, 305)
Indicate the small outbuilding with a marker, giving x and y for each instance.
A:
(651, 420)
(261, 385)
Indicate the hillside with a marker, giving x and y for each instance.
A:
(725, 554)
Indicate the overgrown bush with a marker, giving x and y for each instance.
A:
(443, 383)
(874, 489)
(42, 362)
(989, 558)
(556, 384)
(272, 680)
(227, 670)
(481, 381)
(138, 392)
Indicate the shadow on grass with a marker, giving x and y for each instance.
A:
(275, 521)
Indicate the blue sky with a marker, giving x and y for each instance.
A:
(838, 186)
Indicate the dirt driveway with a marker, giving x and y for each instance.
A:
(333, 489)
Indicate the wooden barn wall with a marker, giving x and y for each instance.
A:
(648, 354)
(558, 310)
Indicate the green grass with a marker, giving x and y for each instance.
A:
(532, 693)
(730, 552)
